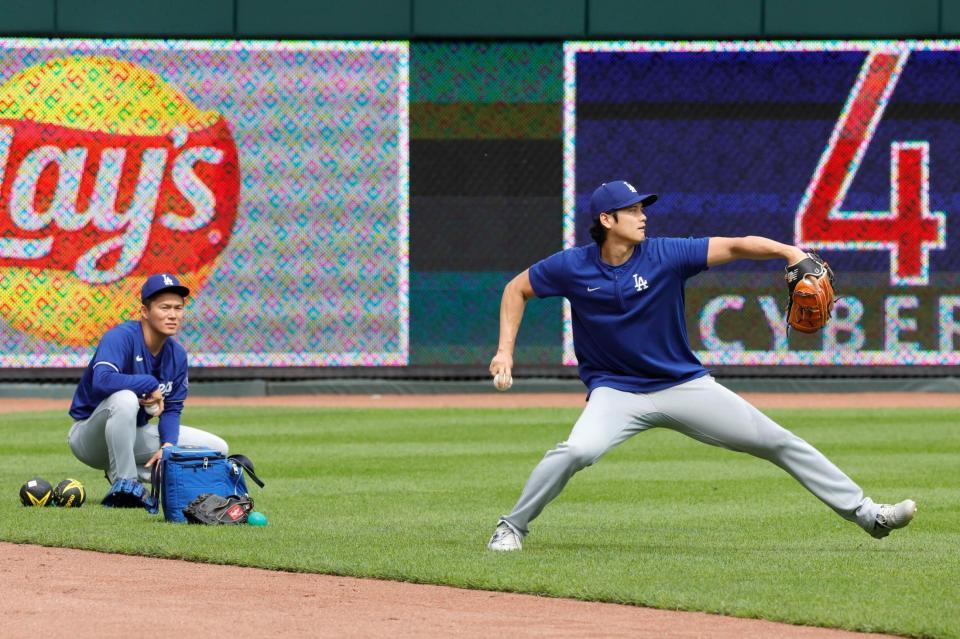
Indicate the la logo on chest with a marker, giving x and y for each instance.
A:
(639, 283)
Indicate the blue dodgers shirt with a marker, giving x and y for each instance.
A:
(122, 361)
(629, 331)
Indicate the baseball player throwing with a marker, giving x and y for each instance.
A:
(137, 371)
(627, 296)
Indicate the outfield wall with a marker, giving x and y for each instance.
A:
(496, 19)
(384, 192)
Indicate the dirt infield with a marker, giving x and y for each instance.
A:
(92, 599)
(39, 597)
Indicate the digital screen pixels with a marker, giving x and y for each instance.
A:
(270, 177)
(839, 147)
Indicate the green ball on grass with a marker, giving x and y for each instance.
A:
(257, 518)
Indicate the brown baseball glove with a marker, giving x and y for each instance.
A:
(811, 296)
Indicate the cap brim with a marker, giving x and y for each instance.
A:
(648, 199)
(182, 291)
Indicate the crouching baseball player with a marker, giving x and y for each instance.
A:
(138, 371)
(629, 332)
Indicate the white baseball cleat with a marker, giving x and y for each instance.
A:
(505, 538)
(893, 516)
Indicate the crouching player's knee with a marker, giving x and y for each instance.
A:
(220, 445)
(196, 438)
(124, 402)
(216, 443)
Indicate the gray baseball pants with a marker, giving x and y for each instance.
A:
(110, 440)
(701, 409)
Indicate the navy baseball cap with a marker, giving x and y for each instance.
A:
(160, 283)
(618, 194)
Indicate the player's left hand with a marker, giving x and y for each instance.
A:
(810, 295)
(155, 459)
(156, 456)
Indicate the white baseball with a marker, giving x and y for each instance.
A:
(152, 409)
(502, 381)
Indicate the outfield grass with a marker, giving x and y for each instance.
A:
(662, 521)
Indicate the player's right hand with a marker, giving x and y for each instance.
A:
(156, 397)
(502, 363)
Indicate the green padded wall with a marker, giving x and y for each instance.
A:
(27, 17)
(493, 19)
(324, 18)
(856, 18)
(680, 18)
(170, 18)
(950, 17)
(500, 18)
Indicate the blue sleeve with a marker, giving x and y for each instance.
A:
(548, 276)
(108, 381)
(114, 349)
(687, 254)
(169, 425)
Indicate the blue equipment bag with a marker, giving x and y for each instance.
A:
(185, 472)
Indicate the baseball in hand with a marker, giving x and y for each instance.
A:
(502, 381)
(152, 409)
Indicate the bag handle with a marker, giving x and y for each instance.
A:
(156, 477)
(244, 462)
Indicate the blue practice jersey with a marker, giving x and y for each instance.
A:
(122, 361)
(629, 331)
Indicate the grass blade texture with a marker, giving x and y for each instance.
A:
(662, 521)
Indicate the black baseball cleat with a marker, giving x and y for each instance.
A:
(893, 516)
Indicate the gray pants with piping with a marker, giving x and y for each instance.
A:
(110, 440)
(701, 409)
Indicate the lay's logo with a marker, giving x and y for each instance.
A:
(107, 174)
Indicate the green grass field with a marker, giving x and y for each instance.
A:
(662, 521)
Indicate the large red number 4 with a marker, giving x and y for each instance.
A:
(909, 230)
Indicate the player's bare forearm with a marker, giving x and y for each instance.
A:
(512, 304)
(722, 250)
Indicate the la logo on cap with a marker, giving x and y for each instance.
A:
(630, 186)
(167, 281)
